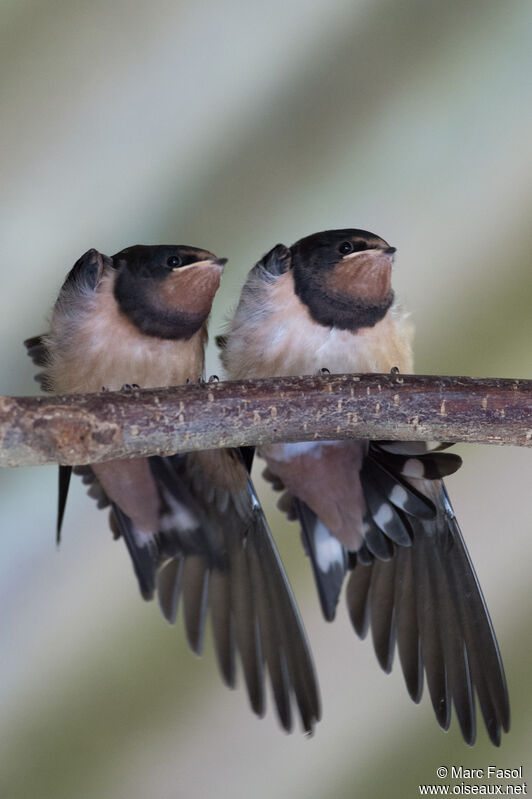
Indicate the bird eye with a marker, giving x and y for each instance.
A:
(174, 261)
(352, 246)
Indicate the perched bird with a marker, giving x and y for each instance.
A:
(192, 523)
(375, 509)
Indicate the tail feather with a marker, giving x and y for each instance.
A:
(143, 551)
(328, 557)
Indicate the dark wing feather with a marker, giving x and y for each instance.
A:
(169, 579)
(87, 271)
(65, 473)
(483, 653)
(38, 352)
(244, 612)
(429, 599)
(217, 553)
(260, 615)
(276, 262)
(194, 585)
(223, 625)
(381, 612)
(357, 593)
(406, 623)
(377, 541)
(285, 622)
(247, 454)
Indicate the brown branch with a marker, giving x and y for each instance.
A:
(78, 429)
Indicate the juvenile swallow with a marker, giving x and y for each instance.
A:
(191, 522)
(375, 509)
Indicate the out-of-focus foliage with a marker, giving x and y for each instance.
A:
(232, 126)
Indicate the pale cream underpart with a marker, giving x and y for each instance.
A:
(272, 333)
(95, 346)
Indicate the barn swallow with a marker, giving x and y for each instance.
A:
(192, 522)
(375, 509)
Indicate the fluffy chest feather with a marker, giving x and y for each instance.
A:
(96, 346)
(273, 334)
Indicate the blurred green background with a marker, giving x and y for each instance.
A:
(233, 126)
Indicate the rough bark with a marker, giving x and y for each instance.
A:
(79, 429)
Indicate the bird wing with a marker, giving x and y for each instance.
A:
(427, 596)
(412, 579)
(210, 546)
(238, 576)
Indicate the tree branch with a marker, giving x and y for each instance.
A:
(79, 429)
